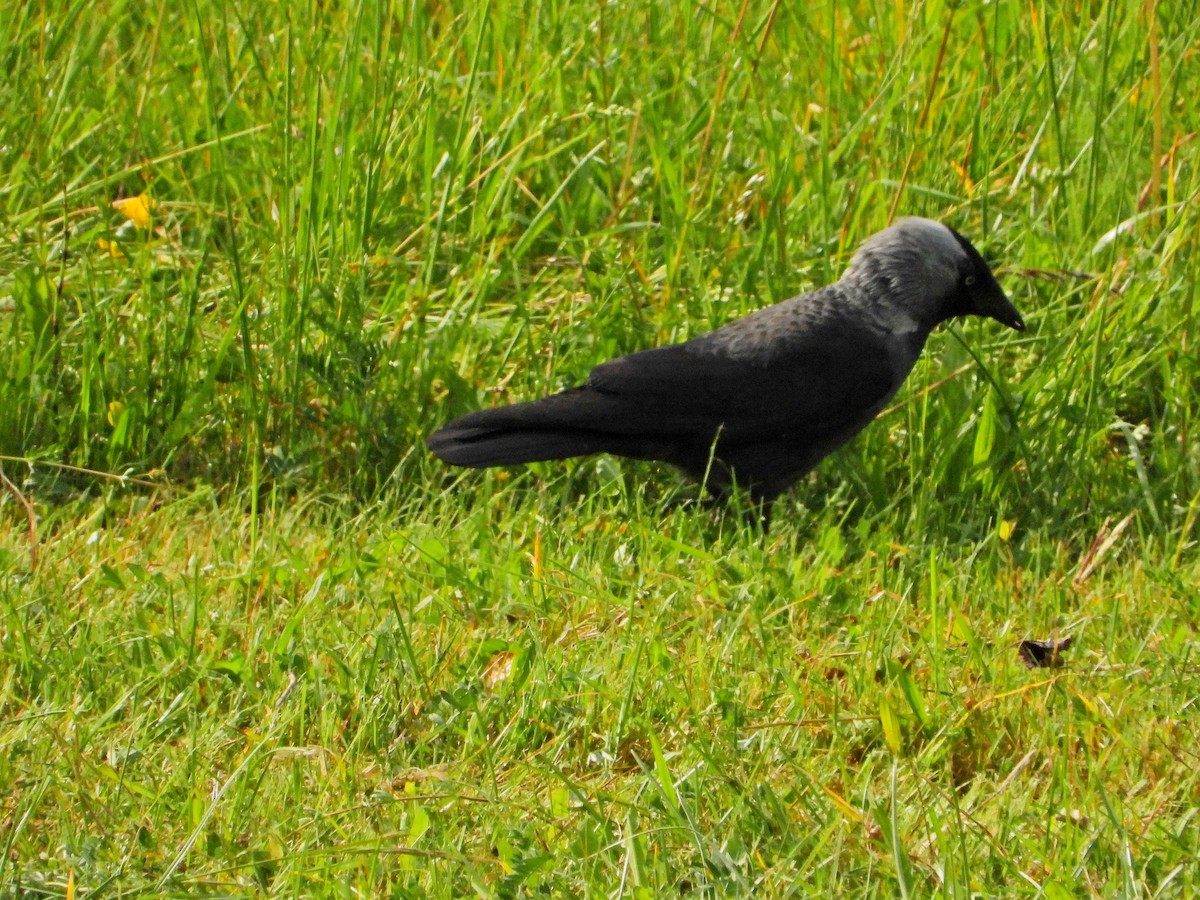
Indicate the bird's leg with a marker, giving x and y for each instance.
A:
(705, 501)
(762, 501)
(760, 514)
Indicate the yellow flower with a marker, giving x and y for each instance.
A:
(136, 209)
(111, 248)
(115, 408)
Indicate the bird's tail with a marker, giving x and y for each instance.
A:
(525, 432)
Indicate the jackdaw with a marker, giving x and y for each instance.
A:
(761, 400)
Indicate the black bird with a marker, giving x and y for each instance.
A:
(760, 401)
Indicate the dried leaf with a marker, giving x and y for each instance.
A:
(1043, 654)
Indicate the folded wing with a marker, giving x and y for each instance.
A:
(678, 403)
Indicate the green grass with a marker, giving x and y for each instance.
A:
(257, 641)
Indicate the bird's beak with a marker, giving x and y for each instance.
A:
(1010, 317)
(999, 307)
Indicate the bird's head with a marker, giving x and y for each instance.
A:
(931, 273)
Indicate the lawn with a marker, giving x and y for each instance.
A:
(255, 640)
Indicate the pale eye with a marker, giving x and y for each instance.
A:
(969, 280)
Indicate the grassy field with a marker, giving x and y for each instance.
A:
(254, 640)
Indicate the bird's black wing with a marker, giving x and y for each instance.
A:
(817, 384)
(775, 391)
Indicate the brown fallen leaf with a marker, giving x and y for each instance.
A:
(1043, 654)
